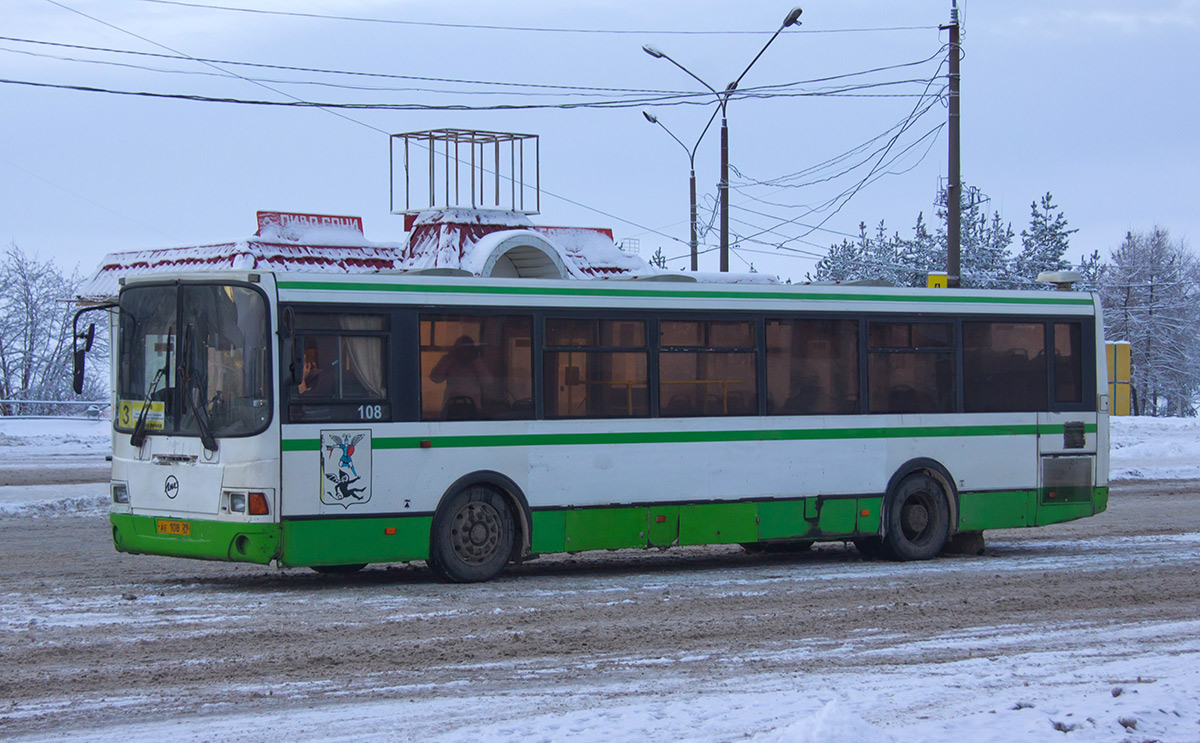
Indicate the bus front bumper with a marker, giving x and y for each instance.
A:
(200, 539)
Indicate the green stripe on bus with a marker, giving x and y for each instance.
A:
(610, 291)
(687, 437)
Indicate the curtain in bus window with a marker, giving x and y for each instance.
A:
(595, 368)
(364, 356)
(1004, 367)
(1068, 362)
(910, 367)
(706, 367)
(812, 367)
(476, 368)
(344, 375)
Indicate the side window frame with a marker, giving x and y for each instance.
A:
(332, 408)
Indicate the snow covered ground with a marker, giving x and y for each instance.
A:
(1126, 679)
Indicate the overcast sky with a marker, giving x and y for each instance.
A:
(1094, 101)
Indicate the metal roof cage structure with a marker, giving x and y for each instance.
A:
(465, 169)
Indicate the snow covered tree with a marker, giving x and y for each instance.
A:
(984, 259)
(1045, 243)
(658, 260)
(881, 257)
(844, 261)
(1151, 297)
(35, 334)
(923, 252)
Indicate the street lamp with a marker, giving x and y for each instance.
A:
(792, 19)
(691, 153)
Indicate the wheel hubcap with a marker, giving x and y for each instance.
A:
(914, 518)
(475, 533)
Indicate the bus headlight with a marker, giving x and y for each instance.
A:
(237, 502)
(120, 493)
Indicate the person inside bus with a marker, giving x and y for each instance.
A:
(468, 381)
(315, 382)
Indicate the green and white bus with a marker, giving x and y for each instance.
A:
(333, 421)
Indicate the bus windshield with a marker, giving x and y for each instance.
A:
(193, 360)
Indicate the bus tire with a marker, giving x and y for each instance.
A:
(916, 519)
(339, 569)
(473, 536)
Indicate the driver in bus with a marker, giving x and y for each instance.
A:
(314, 383)
(468, 380)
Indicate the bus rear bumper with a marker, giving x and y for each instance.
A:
(205, 539)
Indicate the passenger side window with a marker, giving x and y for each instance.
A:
(910, 367)
(1068, 362)
(476, 367)
(595, 368)
(1004, 367)
(345, 371)
(812, 367)
(707, 367)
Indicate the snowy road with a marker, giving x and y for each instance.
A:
(1090, 628)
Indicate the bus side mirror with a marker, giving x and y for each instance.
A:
(77, 379)
(88, 337)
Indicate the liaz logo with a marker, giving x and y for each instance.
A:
(345, 467)
(171, 486)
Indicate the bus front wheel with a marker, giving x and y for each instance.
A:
(473, 536)
(916, 518)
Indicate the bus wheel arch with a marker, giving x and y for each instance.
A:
(507, 489)
(929, 485)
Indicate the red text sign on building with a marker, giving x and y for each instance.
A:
(284, 221)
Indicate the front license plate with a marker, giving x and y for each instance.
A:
(175, 528)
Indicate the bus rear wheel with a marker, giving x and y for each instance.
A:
(916, 519)
(473, 536)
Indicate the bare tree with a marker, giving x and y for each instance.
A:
(35, 334)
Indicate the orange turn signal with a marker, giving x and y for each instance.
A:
(389, 530)
(258, 505)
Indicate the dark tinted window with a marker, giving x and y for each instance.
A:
(476, 368)
(1004, 367)
(910, 367)
(1068, 362)
(595, 369)
(812, 367)
(706, 368)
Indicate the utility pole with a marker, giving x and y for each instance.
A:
(954, 180)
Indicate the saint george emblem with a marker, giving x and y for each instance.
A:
(345, 467)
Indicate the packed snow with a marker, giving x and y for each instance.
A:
(1130, 682)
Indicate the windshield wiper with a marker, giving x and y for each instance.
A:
(193, 389)
(138, 437)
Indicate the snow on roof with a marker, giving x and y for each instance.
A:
(493, 217)
(243, 255)
(450, 238)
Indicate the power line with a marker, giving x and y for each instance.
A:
(296, 102)
(746, 92)
(81, 197)
(322, 71)
(347, 118)
(320, 83)
(534, 29)
(209, 64)
(846, 196)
